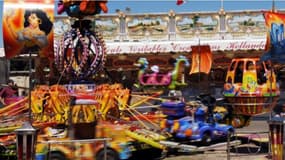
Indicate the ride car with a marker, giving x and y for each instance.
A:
(187, 129)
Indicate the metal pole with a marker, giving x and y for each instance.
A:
(70, 123)
(30, 87)
(273, 6)
(228, 146)
(199, 78)
(105, 150)
(49, 151)
(270, 115)
(271, 78)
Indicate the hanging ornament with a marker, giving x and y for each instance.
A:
(80, 52)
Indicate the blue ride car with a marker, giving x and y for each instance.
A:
(187, 129)
(197, 128)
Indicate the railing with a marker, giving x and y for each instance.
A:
(171, 26)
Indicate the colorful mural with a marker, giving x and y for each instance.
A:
(275, 37)
(190, 24)
(140, 26)
(108, 27)
(28, 29)
(242, 23)
(61, 26)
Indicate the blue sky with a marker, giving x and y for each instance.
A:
(150, 6)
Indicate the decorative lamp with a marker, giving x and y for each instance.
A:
(276, 132)
(26, 137)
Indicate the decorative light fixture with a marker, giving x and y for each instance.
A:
(276, 132)
(26, 141)
(81, 52)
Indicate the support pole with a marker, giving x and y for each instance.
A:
(199, 65)
(228, 146)
(30, 87)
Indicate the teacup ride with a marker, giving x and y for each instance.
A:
(250, 89)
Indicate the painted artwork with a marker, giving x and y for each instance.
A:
(154, 25)
(203, 23)
(241, 23)
(28, 27)
(275, 37)
(61, 26)
(108, 27)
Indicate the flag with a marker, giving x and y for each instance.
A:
(179, 2)
(275, 42)
(201, 59)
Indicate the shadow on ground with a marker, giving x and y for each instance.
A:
(246, 147)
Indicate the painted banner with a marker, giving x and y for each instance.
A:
(28, 27)
(201, 59)
(275, 42)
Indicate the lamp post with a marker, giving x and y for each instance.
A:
(26, 136)
(26, 142)
(276, 135)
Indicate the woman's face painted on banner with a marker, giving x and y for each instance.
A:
(34, 20)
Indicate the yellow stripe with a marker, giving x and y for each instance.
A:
(8, 129)
(144, 139)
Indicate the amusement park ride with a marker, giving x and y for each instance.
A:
(250, 89)
(81, 111)
(171, 80)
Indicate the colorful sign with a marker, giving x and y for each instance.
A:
(183, 46)
(275, 37)
(28, 27)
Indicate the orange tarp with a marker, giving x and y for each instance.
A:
(201, 59)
